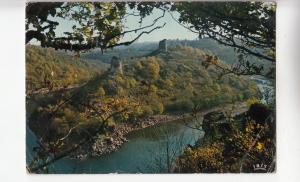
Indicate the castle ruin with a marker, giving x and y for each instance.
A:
(162, 45)
(116, 66)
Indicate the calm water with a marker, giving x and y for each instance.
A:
(147, 151)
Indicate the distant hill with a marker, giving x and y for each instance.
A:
(140, 49)
(124, 52)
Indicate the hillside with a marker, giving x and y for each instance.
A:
(148, 90)
(47, 68)
(171, 82)
(176, 81)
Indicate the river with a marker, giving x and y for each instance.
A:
(147, 151)
(266, 87)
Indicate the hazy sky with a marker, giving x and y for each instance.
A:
(172, 29)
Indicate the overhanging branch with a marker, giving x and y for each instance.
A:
(137, 37)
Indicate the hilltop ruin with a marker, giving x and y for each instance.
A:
(162, 45)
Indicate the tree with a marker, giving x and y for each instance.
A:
(228, 147)
(247, 26)
(73, 122)
(95, 24)
(152, 68)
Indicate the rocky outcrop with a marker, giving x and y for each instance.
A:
(105, 144)
(216, 126)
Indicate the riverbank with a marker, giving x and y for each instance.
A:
(112, 142)
(44, 91)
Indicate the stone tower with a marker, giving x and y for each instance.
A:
(116, 65)
(162, 45)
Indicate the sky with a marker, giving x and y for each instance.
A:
(172, 30)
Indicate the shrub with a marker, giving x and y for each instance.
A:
(180, 106)
(203, 159)
(153, 89)
(158, 108)
(252, 101)
(101, 92)
(147, 111)
(227, 154)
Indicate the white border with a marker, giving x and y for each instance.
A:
(12, 104)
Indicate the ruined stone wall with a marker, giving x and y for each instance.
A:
(116, 65)
(163, 45)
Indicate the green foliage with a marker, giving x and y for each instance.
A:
(249, 27)
(76, 113)
(157, 107)
(180, 106)
(148, 68)
(101, 92)
(147, 111)
(89, 19)
(177, 83)
(159, 84)
(246, 26)
(95, 24)
(237, 150)
(45, 68)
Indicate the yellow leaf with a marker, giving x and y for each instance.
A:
(260, 146)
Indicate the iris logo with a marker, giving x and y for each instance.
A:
(260, 167)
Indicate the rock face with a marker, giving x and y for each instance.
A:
(162, 45)
(260, 113)
(105, 144)
(264, 116)
(215, 126)
(108, 144)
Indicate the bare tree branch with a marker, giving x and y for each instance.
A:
(130, 42)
